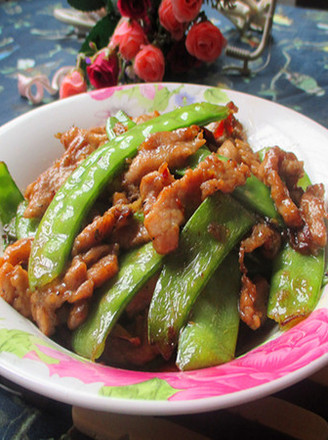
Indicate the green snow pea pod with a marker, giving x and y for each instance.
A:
(136, 268)
(121, 117)
(25, 227)
(210, 336)
(64, 216)
(296, 282)
(255, 195)
(208, 236)
(10, 195)
(295, 285)
(110, 124)
(124, 119)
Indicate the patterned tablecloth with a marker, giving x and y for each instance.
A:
(293, 72)
(32, 41)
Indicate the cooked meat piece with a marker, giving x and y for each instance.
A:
(146, 117)
(313, 234)
(167, 213)
(132, 234)
(152, 184)
(86, 272)
(79, 140)
(253, 301)
(78, 144)
(101, 227)
(120, 197)
(278, 170)
(254, 294)
(228, 149)
(18, 252)
(130, 347)
(103, 270)
(77, 314)
(76, 286)
(263, 236)
(247, 155)
(170, 147)
(14, 288)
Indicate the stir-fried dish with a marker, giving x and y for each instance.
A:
(152, 241)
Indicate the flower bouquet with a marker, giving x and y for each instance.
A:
(143, 40)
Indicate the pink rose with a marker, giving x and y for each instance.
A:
(186, 10)
(128, 36)
(103, 71)
(205, 41)
(133, 8)
(169, 22)
(149, 64)
(72, 84)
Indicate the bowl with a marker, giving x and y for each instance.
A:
(34, 361)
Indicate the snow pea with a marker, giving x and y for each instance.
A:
(255, 195)
(124, 119)
(209, 235)
(25, 227)
(64, 216)
(210, 336)
(295, 285)
(296, 282)
(110, 124)
(136, 268)
(121, 117)
(10, 195)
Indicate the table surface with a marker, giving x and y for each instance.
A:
(293, 72)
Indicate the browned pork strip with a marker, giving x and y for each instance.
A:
(101, 227)
(78, 144)
(18, 252)
(14, 287)
(86, 272)
(152, 184)
(145, 117)
(130, 347)
(170, 147)
(254, 293)
(278, 170)
(313, 234)
(253, 301)
(168, 212)
(76, 287)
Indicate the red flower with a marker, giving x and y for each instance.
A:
(133, 8)
(149, 64)
(205, 41)
(103, 72)
(169, 21)
(186, 10)
(129, 36)
(73, 84)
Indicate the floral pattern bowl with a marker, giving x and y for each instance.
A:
(30, 359)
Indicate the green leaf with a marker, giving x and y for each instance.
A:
(215, 95)
(21, 343)
(87, 5)
(111, 5)
(100, 34)
(152, 389)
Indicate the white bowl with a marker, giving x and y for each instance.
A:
(30, 359)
